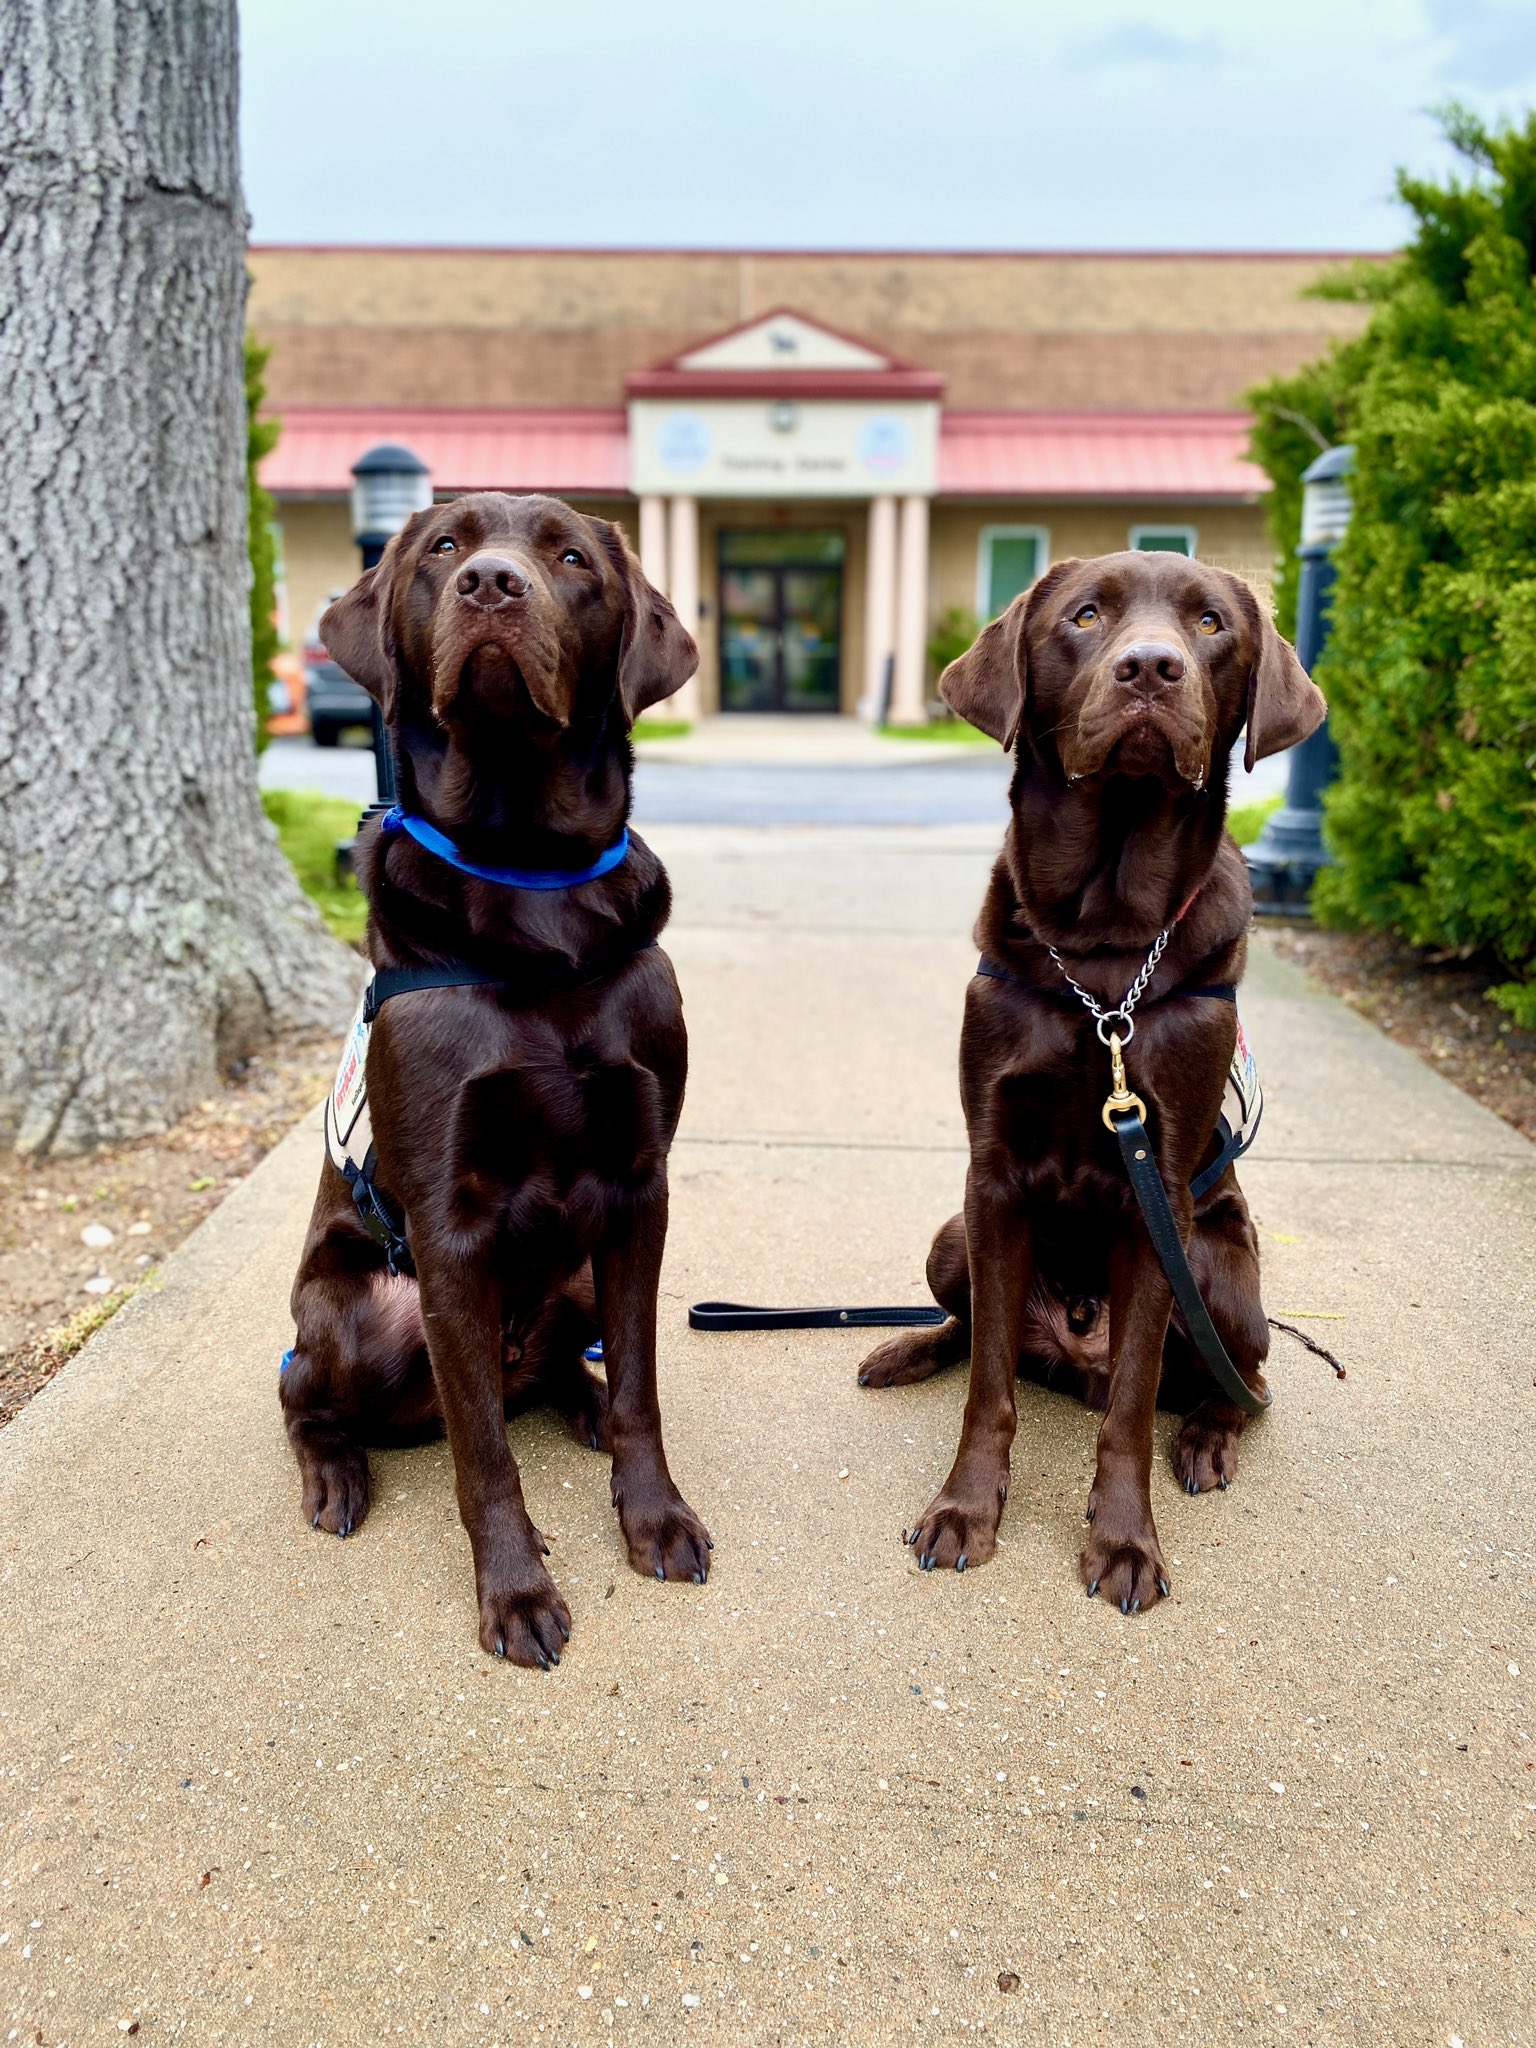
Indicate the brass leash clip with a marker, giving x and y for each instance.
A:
(1121, 1101)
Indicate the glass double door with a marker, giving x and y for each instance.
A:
(781, 601)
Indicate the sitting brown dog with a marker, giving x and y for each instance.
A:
(1127, 681)
(521, 1123)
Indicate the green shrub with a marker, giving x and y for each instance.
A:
(1430, 670)
(953, 634)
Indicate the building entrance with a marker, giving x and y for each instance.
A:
(781, 604)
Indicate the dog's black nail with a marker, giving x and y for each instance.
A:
(501, 1648)
(709, 1543)
(961, 1561)
(1093, 1588)
(1125, 1605)
(565, 1633)
(1222, 1484)
(1136, 1605)
(698, 1578)
(661, 1572)
(1164, 1588)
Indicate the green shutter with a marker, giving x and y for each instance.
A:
(1155, 543)
(1013, 565)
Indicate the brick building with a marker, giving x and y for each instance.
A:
(818, 455)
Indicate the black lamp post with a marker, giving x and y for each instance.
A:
(1290, 850)
(389, 483)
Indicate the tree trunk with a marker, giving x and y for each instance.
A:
(150, 929)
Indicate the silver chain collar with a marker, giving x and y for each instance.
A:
(1119, 1018)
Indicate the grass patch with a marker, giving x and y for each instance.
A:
(663, 728)
(309, 827)
(1246, 821)
(954, 729)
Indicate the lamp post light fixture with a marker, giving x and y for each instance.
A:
(1290, 850)
(389, 483)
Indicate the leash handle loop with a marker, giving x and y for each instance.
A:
(740, 1315)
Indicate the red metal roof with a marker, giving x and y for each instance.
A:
(1096, 455)
(524, 448)
(585, 450)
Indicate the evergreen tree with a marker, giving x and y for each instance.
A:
(1430, 671)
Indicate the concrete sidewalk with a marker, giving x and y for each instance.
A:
(259, 1786)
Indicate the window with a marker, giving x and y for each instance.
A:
(1008, 560)
(1164, 540)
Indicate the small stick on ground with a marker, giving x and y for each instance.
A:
(1311, 1343)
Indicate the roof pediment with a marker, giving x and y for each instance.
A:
(779, 352)
(783, 340)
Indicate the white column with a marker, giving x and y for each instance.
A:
(653, 540)
(879, 601)
(683, 557)
(907, 707)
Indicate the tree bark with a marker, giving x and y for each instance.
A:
(151, 930)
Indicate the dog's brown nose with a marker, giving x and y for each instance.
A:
(1150, 666)
(490, 581)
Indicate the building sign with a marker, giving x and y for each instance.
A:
(767, 448)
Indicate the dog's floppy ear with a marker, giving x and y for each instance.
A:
(1284, 704)
(356, 631)
(657, 654)
(989, 685)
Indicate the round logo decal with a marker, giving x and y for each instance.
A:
(885, 444)
(682, 443)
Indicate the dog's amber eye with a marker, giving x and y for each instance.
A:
(1210, 622)
(1086, 615)
(446, 546)
(575, 558)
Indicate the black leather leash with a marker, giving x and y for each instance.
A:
(740, 1315)
(1152, 1196)
(1126, 1116)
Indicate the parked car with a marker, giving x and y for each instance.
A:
(335, 701)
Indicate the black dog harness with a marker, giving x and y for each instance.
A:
(348, 1124)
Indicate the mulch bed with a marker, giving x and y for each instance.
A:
(78, 1235)
(1437, 1008)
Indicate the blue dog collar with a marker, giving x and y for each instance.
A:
(435, 842)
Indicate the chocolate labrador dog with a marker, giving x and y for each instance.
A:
(1125, 682)
(521, 1118)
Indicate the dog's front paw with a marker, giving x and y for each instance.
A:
(664, 1537)
(524, 1619)
(957, 1530)
(1121, 1561)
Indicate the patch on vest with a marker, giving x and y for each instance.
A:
(1243, 1102)
(348, 1127)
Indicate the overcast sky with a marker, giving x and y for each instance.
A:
(1088, 124)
